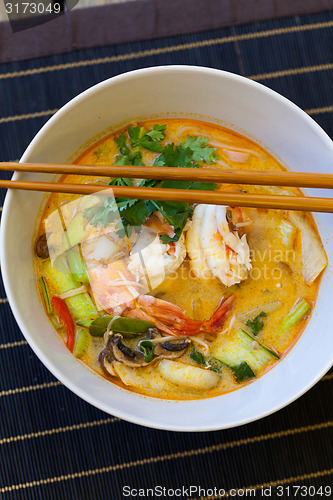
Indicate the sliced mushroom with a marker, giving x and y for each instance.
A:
(153, 333)
(105, 359)
(132, 356)
(172, 350)
(176, 346)
(124, 354)
(41, 247)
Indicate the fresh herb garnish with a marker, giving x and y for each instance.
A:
(200, 151)
(257, 323)
(175, 156)
(126, 155)
(133, 212)
(208, 362)
(197, 356)
(149, 140)
(102, 214)
(214, 364)
(242, 371)
(147, 347)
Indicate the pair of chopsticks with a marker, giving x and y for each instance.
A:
(268, 178)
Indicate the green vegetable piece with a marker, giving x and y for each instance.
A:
(214, 364)
(242, 371)
(45, 293)
(147, 348)
(81, 306)
(128, 327)
(77, 266)
(209, 362)
(62, 280)
(296, 313)
(257, 323)
(81, 343)
(237, 347)
(197, 356)
(75, 230)
(55, 323)
(84, 322)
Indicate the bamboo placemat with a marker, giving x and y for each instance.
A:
(53, 445)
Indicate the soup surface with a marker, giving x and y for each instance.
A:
(172, 300)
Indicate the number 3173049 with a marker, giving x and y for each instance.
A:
(32, 8)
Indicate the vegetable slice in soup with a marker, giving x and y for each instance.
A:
(174, 300)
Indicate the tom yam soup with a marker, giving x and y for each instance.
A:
(168, 299)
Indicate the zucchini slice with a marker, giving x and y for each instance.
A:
(238, 347)
(80, 306)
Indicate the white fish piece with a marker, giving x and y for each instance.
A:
(221, 250)
(314, 258)
(143, 378)
(188, 376)
(151, 260)
(101, 245)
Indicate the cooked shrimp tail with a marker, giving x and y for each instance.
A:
(215, 322)
(171, 318)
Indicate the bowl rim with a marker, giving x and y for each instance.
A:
(123, 414)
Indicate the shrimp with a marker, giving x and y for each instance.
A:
(105, 256)
(120, 269)
(215, 248)
(171, 318)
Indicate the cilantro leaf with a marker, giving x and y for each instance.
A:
(126, 156)
(121, 182)
(200, 151)
(175, 156)
(257, 323)
(102, 214)
(136, 214)
(135, 133)
(242, 371)
(176, 214)
(214, 364)
(209, 186)
(121, 143)
(197, 356)
(148, 140)
(157, 134)
(187, 154)
(133, 213)
(208, 362)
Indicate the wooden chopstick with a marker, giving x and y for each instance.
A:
(267, 178)
(228, 198)
(216, 175)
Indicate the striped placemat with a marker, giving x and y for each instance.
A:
(53, 445)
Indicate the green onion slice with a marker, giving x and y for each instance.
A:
(45, 293)
(147, 348)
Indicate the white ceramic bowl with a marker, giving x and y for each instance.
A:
(220, 97)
